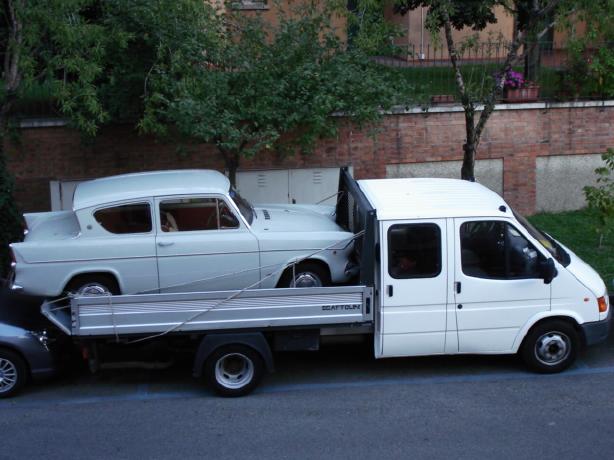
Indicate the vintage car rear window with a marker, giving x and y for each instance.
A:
(127, 218)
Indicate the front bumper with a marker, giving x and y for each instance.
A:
(597, 331)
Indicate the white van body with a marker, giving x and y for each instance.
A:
(453, 311)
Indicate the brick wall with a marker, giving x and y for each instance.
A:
(518, 136)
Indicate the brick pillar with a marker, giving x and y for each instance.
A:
(519, 181)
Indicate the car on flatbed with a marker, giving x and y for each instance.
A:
(176, 231)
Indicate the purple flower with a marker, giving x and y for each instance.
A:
(513, 80)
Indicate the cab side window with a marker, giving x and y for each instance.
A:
(497, 250)
(191, 214)
(414, 251)
(126, 218)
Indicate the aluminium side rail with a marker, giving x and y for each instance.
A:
(98, 316)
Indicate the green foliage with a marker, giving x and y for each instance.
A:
(475, 14)
(590, 64)
(10, 226)
(572, 229)
(600, 198)
(267, 87)
(155, 31)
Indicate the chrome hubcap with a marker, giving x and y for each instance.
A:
(93, 289)
(234, 370)
(307, 279)
(8, 375)
(552, 348)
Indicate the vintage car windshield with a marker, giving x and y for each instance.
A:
(245, 207)
(546, 240)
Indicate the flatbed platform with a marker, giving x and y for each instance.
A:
(98, 316)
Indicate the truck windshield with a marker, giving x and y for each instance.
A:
(246, 208)
(551, 245)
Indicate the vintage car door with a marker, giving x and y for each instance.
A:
(202, 245)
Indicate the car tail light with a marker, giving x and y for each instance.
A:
(603, 305)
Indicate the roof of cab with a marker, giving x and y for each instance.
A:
(431, 198)
(148, 184)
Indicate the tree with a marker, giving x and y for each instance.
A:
(529, 17)
(267, 87)
(600, 197)
(94, 56)
(49, 41)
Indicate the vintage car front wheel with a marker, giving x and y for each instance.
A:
(90, 285)
(306, 274)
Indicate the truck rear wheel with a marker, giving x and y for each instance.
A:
(13, 373)
(233, 370)
(550, 347)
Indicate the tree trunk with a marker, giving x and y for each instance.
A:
(231, 159)
(532, 61)
(468, 168)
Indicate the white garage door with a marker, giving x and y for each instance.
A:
(303, 186)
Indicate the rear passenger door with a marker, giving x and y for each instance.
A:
(498, 284)
(414, 281)
(202, 245)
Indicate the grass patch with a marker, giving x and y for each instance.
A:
(576, 230)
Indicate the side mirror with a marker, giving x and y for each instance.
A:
(548, 270)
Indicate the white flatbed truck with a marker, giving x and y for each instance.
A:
(444, 267)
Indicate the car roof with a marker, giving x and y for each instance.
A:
(148, 184)
(418, 198)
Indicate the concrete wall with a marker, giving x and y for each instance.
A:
(487, 172)
(560, 179)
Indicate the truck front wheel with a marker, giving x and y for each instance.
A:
(550, 347)
(233, 370)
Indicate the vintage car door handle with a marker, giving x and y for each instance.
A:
(163, 244)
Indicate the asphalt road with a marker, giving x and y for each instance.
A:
(338, 402)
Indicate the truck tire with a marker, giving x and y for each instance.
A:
(550, 347)
(306, 274)
(13, 373)
(94, 284)
(233, 370)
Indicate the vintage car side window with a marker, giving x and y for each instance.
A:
(126, 218)
(497, 250)
(192, 214)
(414, 251)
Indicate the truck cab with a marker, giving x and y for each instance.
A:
(461, 272)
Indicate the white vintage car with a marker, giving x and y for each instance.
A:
(171, 231)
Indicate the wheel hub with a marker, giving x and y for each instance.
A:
(234, 370)
(93, 289)
(552, 348)
(307, 279)
(8, 375)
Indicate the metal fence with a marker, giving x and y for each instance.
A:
(429, 71)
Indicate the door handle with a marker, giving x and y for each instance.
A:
(163, 244)
(390, 290)
(458, 287)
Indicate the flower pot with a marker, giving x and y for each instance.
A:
(528, 93)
